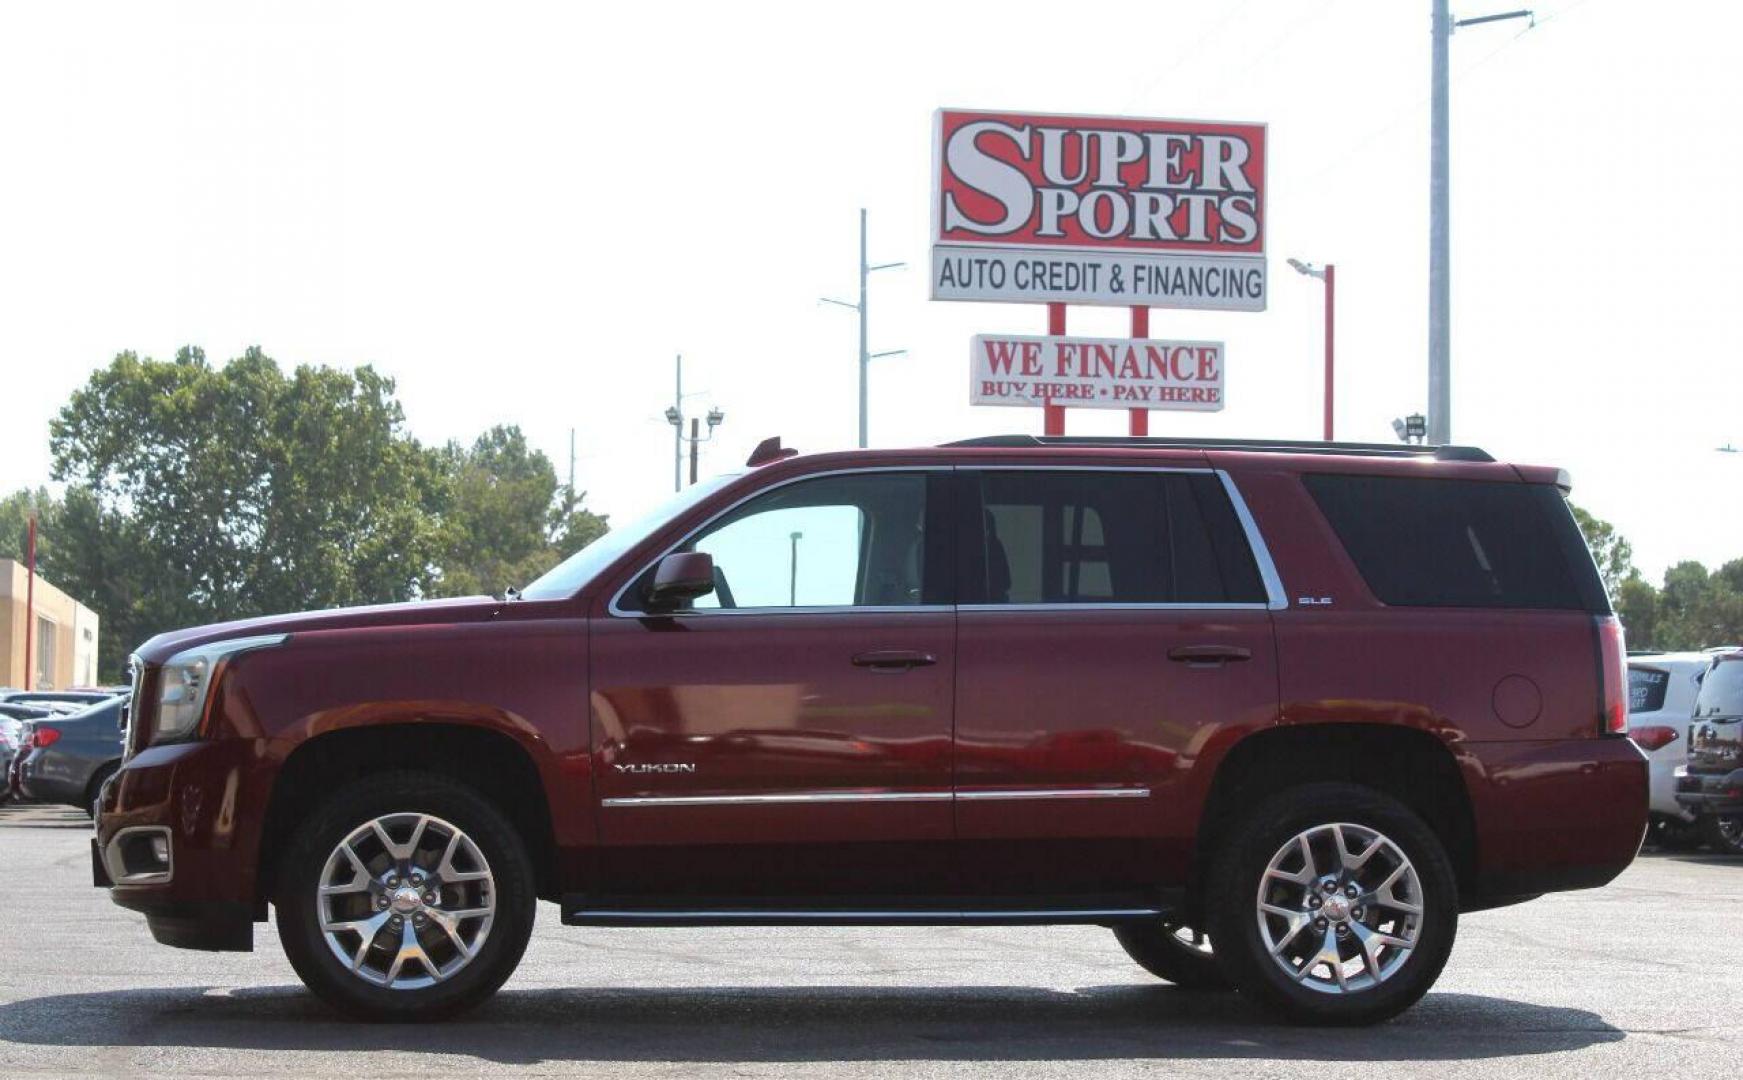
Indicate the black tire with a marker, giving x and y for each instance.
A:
(1233, 892)
(1155, 948)
(1723, 833)
(351, 807)
(95, 787)
(1667, 833)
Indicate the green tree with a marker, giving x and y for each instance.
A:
(211, 493)
(506, 520)
(16, 510)
(1610, 550)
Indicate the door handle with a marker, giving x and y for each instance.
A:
(1209, 655)
(893, 659)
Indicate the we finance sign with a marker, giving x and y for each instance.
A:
(1035, 208)
(1097, 373)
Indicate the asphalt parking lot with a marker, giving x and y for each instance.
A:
(1641, 978)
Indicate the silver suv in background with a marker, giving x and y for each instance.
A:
(1661, 702)
(1711, 785)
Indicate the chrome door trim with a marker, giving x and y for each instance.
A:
(616, 608)
(813, 797)
(1256, 541)
(1055, 793)
(1115, 607)
(796, 797)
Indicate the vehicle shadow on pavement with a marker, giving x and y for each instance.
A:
(796, 1024)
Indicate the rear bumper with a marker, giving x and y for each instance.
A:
(1553, 816)
(1704, 794)
(192, 794)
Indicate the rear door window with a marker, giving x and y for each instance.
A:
(1421, 542)
(1085, 537)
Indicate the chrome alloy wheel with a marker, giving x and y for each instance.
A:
(1340, 908)
(406, 900)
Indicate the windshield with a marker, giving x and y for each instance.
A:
(569, 576)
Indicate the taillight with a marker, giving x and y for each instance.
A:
(45, 736)
(1613, 676)
(1653, 736)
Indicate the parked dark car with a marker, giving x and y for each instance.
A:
(78, 698)
(1307, 701)
(1711, 785)
(13, 734)
(71, 756)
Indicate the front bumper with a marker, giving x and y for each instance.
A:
(193, 796)
(1705, 794)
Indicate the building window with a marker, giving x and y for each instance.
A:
(45, 654)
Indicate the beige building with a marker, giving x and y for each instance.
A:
(64, 651)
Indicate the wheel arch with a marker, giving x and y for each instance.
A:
(492, 762)
(1408, 764)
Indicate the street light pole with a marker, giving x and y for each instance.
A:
(865, 355)
(1439, 247)
(1439, 228)
(1330, 278)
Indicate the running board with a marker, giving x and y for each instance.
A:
(584, 910)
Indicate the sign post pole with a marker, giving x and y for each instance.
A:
(1140, 418)
(1053, 416)
(1331, 280)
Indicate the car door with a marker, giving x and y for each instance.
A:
(786, 739)
(1111, 620)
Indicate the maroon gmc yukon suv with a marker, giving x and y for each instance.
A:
(1276, 714)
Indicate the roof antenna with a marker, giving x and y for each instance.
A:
(770, 449)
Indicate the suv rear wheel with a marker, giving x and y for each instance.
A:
(1334, 903)
(1179, 954)
(405, 896)
(1724, 833)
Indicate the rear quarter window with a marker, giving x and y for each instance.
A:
(1722, 690)
(1646, 689)
(1430, 542)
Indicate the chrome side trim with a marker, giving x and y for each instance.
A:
(616, 608)
(809, 915)
(1115, 607)
(1056, 793)
(797, 797)
(878, 796)
(1256, 540)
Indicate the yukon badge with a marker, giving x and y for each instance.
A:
(675, 767)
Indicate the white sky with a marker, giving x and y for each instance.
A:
(522, 212)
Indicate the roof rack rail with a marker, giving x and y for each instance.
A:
(1262, 446)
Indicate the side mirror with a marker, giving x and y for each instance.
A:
(681, 576)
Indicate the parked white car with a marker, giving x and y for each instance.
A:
(1661, 701)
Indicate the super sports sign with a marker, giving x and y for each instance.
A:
(1034, 208)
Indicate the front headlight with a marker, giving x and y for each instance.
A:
(186, 680)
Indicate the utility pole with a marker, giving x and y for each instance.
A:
(676, 418)
(29, 603)
(1439, 228)
(695, 447)
(569, 503)
(793, 569)
(865, 356)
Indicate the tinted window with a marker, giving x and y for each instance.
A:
(857, 540)
(1646, 689)
(1722, 690)
(1460, 543)
(1079, 537)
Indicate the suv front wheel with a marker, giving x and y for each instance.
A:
(405, 896)
(1334, 903)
